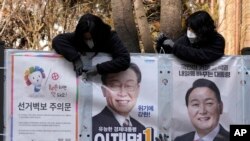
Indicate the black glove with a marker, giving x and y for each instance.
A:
(160, 138)
(92, 71)
(78, 66)
(164, 44)
(159, 41)
(167, 46)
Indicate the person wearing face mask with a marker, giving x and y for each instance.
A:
(201, 44)
(92, 35)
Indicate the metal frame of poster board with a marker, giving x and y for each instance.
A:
(165, 86)
(1, 89)
(246, 87)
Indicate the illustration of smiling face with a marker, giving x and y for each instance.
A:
(121, 91)
(204, 109)
(36, 78)
(34, 75)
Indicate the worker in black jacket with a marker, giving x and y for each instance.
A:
(201, 44)
(92, 35)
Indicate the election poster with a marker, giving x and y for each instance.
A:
(125, 103)
(206, 96)
(45, 101)
(41, 98)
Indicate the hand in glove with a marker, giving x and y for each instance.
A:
(161, 138)
(78, 66)
(160, 39)
(164, 44)
(168, 42)
(91, 71)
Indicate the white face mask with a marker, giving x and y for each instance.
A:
(191, 34)
(90, 43)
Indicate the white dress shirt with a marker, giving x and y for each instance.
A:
(210, 136)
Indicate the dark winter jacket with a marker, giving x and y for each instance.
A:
(65, 45)
(201, 52)
(72, 45)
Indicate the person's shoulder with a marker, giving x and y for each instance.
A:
(223, 132)
(185, 137)
(114, 36)
(218, 39)
(219, 36)
(223, 135)
(103, 114)
(113, 33)
(137, 123)
(182, 39)
(99, 118)
(65, 35)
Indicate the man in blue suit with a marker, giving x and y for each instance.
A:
(114, 123)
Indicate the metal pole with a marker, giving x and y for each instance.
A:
(1, 90)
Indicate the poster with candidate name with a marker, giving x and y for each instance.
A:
(44, 101)
(188, 79)
(41, 97)
(125, 104)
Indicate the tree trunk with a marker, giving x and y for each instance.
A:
(237, 26)
(212, 4)
(143, 27)
(124, 24)
(2, 9)
(227, 24)
(221, 26)
(170, 19)
(245, 30)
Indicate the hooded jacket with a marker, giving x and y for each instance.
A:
(201, 52)
(72, 45)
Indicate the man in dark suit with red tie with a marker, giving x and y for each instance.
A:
(114, 123)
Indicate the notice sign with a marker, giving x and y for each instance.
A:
(42, 99)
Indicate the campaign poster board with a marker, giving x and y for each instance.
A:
(225, 73)
(145, 110)
(245, 85)
(41, 97)
(60, 106)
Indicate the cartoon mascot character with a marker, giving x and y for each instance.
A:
(34, 76)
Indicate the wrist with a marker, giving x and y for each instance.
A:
(97, 68)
